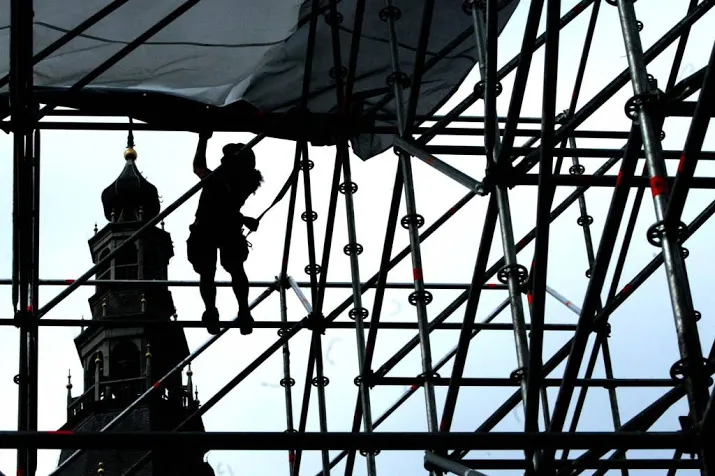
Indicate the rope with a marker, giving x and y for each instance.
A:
(280, 196)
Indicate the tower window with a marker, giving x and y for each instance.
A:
(124, 361)
(125, 263)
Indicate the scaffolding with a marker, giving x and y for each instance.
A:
(545, 444)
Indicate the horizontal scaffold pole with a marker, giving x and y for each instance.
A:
(267, 441)
(225, 284)
(128, 323)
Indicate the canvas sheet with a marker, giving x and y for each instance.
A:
(222, 52)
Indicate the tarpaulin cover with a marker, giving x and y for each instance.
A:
(247, 53)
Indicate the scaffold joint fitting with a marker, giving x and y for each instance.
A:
(649, 99)
(602, 327)
(316, 322)
(687, 368)
(390, 13)
(469, 5)
(368, 378)
(501, 173)
(658, 230)
(480, 89)
(22, 317)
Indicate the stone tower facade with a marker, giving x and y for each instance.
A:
(121, 363)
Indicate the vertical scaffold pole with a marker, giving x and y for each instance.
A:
(343, 93)
(692, 366)
(412, 221)
(24, 220)
(358, 313)
(287, 382)
(33, 141)
(514, 274)
(315, 354)
(316, 317)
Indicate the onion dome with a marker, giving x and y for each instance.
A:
(131, 197)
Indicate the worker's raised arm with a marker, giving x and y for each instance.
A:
(200, 168)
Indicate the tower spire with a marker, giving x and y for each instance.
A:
(69, 386)
(131, 197)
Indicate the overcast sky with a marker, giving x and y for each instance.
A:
(77, 166)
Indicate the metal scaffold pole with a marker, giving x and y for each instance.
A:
(645, 103)
(314, 307)
(348, 188)
(287, 381)
(358, 312)
(512, 274)
(412, 221)
(25, 287)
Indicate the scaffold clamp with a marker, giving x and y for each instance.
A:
(368, 378)
(501, 173)
(22, 316)
(685, 368)
(315, 321)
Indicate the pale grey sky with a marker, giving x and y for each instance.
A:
(77, 166)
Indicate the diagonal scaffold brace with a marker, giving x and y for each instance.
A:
(455, 174)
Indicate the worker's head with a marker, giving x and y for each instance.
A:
(240, 166)
(246, 160)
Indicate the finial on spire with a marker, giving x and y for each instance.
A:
(69, 386)
(100, 468)
(130, 153)
(190, 381)
(95, 228)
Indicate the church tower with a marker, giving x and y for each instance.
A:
(121, 363)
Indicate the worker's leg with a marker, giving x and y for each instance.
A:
(239, 282)
(233, 255)
(202, 255)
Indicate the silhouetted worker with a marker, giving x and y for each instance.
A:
(219, 226)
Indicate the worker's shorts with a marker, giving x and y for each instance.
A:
(204, 243)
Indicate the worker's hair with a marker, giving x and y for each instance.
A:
(231, 155)
(251, 180)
